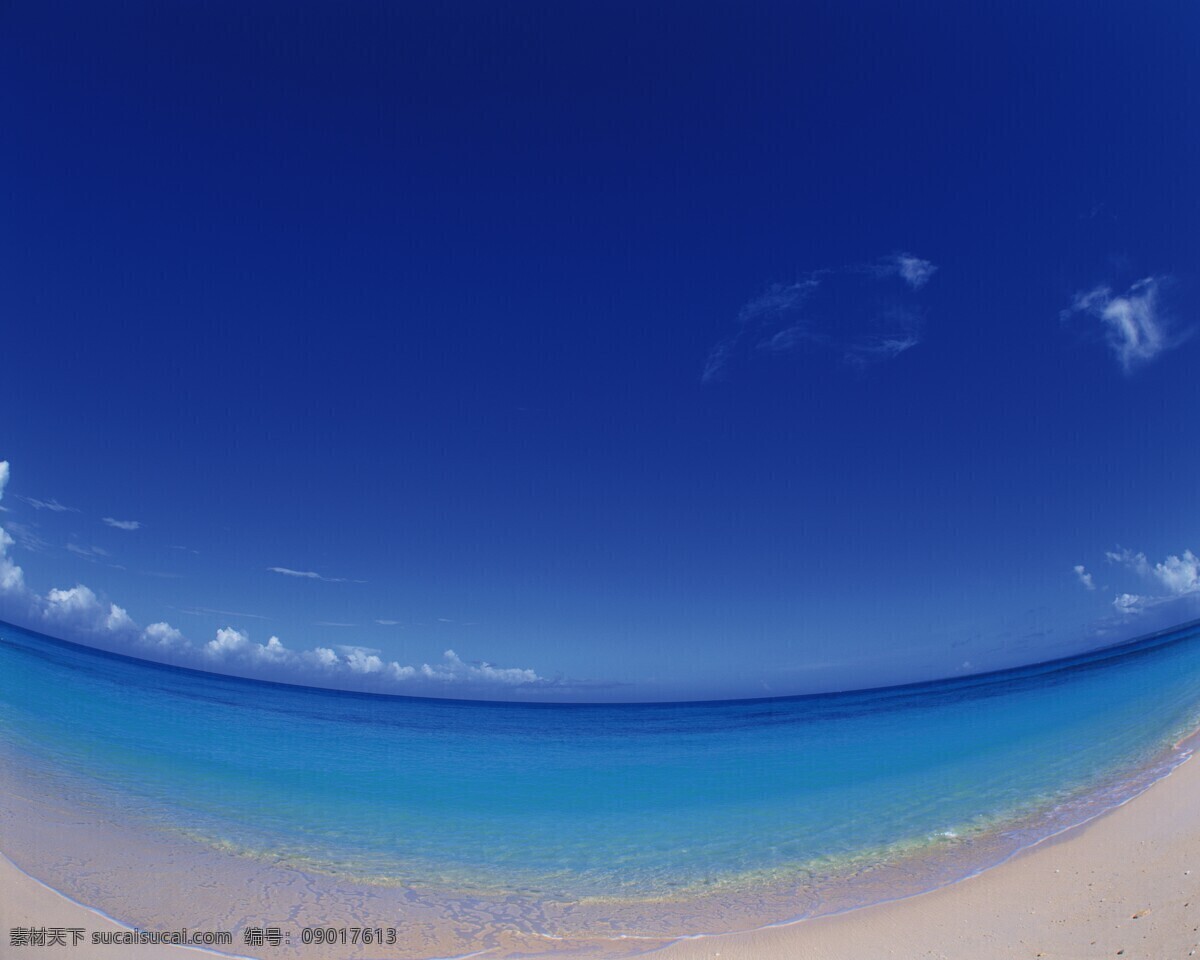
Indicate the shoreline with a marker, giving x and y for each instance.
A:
(1125, 883)
(1126, 880)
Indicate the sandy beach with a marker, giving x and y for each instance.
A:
(1127, 884)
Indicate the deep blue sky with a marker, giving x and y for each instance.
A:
(579, 334)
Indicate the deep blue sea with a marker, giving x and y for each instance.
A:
(630, 802)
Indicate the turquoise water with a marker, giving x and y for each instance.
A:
(576, 802)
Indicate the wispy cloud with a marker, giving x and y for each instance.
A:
(298, 573)
(1127, 558)
(311, 575)
(211, 611)
(779, 301)
(122, 524)
(880, 348)
(902, 326)
(772, 319)
(1085, 578)
(388, 623)
(89, 552)
(1133, 322)
(27, 537)
(52, 505)
(843, 310)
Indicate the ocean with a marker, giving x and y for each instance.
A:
(602, 828)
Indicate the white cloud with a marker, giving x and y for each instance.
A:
(355, 664)
(1180, 575)
(226, 642)
(12, 578)
(79, 609)
(274, 651)
(234, 647)
(363, 661)
(323, 656)
(1133, 323)
(453, 667)
(913, 270)
(311, 575)
(388, 623)
(1084, 577)
(1177, 577)
(164, 635)
(1134, 561)
(122, 524)
(1129, 603)
(235, 644)
(79, 599)
(78, 613)
(118, 620)
(296, 573)
(345, 649)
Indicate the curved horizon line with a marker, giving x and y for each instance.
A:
(1157, 638)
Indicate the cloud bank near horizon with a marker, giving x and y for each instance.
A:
(1153, 596)
(78, 613)
(1173, 579)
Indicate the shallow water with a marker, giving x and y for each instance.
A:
(659, 819)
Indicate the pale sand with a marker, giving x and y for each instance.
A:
(1127, 884)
